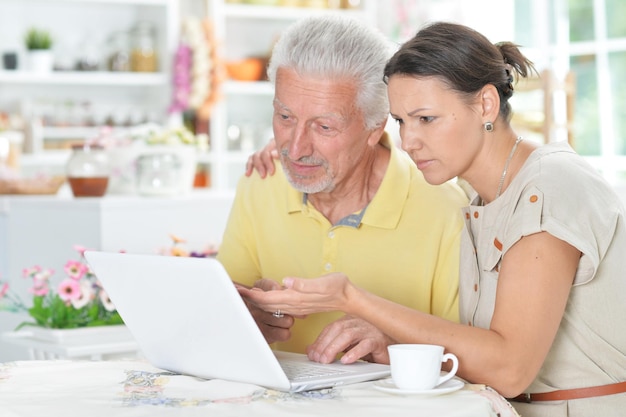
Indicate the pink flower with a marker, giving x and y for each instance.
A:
(28, 272)
(69, 289)
(4, 290)
(106, 301)
(75, 269)
(86, 295)
(80, 249)
(41, 278)
(42, 275)
(39, 288)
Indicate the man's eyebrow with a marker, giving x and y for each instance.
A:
(280, 104)
(333, 115)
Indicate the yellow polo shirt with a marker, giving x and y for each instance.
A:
(404, 246)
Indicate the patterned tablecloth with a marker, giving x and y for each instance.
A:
(129, 388)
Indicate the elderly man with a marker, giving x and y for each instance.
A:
(343, 197)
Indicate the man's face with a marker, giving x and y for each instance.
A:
(319, 131)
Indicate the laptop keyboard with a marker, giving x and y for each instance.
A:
(302, 371)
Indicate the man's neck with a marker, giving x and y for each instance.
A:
(356, 191)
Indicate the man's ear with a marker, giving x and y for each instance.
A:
(376, 135)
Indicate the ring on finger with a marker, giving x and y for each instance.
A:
(278, 314)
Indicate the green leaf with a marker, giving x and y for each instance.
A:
(36, 39)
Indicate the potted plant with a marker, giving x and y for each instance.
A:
(78, 308)
(77, 301)
(39, 43)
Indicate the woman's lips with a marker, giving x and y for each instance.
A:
(422, 164)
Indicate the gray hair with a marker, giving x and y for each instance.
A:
(337, 47)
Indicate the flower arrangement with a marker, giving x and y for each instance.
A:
(178, 249)
(198, 72)
(145, 134)
(79, 300)
(156, 135)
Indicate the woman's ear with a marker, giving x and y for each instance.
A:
(490, 101)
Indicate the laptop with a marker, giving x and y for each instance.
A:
(187, 317)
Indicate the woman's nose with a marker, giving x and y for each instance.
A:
(409, 142)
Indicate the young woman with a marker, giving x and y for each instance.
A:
(543, 265)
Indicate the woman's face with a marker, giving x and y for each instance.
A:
(439, 129)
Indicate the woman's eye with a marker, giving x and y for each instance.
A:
(426, 119)
(398, 121)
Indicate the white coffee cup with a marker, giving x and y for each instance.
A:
(418, 367)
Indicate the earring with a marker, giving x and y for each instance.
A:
(488, 126)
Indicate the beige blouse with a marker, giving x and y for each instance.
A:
(558, 192)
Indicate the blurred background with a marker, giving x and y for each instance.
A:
(151, 108)
(199, 63)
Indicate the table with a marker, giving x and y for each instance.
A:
(133, 387)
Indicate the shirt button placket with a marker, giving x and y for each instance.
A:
(330, 250)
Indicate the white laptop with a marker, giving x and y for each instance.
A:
(187, 317)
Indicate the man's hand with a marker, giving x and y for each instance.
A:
(356, 337)
(274, 329)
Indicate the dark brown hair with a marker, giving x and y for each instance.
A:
(464, 59)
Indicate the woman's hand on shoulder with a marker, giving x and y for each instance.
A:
(263, 160)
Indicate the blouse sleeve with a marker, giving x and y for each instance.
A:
(582, 222)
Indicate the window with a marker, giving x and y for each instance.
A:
(587, 37)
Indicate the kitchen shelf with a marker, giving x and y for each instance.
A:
(77, 98)
(250, 11)
(71, 132)
(95, 78)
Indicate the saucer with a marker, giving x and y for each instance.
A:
(387, 385)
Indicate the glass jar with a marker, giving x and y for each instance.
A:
(88, 171)
(143, 53)
(89, 55)
(158, 174)
(118, 52)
